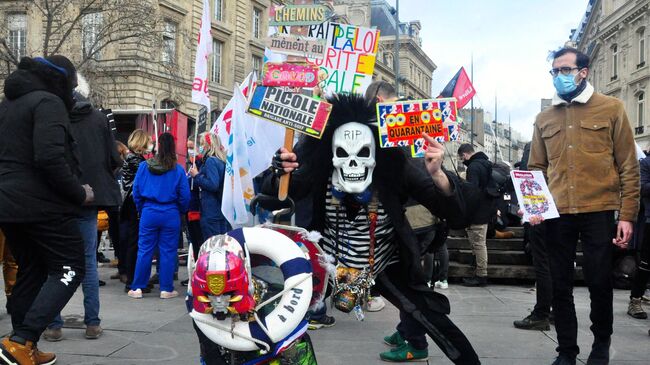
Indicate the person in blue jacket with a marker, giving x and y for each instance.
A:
(210, 180)
(161, 194)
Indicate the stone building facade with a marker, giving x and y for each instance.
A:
(129, 74)
(614, 33)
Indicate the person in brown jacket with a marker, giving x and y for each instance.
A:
(585, 147)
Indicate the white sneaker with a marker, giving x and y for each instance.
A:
(442, 284)
(375, 304)
(168, 294)
(136, 294)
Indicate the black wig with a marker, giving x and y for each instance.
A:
(315, 155)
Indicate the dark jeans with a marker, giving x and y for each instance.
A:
(196, 237)
(116, 239)
(643, 268)
(441, 255)
(50, 258)
(393, 284)
(544, 290)
(130, 237)
(595, 231)
(411, 331)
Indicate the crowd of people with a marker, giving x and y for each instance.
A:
(61, 165)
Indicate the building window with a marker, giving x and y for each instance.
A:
(218, 10)
(614, 62)
(641, 48)
(640, 100)
(257, 64)
(17, 36)
(257, 18)
(169, 43)
(91, 25)
(168, 104)
(217, 52)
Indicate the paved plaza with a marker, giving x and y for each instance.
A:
(155, 331)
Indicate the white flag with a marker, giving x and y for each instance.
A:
(262, 137)
(200, 90)
(238, 183)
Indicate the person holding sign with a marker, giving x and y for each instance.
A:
(585, 147)
(358, 192)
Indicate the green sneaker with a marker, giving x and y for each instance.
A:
(405, 353)
(394, 340)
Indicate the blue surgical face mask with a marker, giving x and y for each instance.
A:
(191, 152)
(565, 84)
(201, 149)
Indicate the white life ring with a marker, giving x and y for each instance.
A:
(293, 305)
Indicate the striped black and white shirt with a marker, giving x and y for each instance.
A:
(354, 237)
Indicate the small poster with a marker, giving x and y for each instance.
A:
(293, 45)
(299, 112)
(298, 14)
(289, 74)
(533, 194)
(402, 123)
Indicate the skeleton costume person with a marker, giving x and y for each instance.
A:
(358, 192)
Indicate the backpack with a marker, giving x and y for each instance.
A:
(499, 175)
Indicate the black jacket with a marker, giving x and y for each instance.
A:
(97, 153)
(479, 171)
(410, 181)
(38, 163)
(130, 169)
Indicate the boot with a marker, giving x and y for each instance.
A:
(15, 353)
(405, 353)
(533, 322)
(44, 358)
(635, 310)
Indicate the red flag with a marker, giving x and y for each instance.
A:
(460, 87)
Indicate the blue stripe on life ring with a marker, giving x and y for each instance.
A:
(258, 333)
(238, 234)
(296, 266)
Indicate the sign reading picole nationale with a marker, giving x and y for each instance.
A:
(299, 112)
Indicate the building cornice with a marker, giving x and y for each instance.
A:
(173, 6)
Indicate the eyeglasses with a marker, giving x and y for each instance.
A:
(564, 70)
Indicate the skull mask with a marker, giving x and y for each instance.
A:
(353, 151)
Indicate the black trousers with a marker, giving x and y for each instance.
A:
(51, 265)
(544, 290)
(131, 235)
(643, 268)
(595, 231)
(196, 236)
(421, 318)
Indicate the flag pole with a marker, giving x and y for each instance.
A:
(154, 117)
(472, 104)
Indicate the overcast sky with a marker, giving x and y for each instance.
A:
(510, 40)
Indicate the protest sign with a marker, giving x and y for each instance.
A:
(402, 123)
(294, 111)
(289, 15)
(288, 74)
(533, 195)
(349, 60)
(296, 46)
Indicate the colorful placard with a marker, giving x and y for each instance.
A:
(290, 75)
(533, 195)
(349, 60)
(293, 45)
(289, 15)
(402, 123)
(299, 112)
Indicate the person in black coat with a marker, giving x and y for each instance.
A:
(479, 171)
(40, 199)
(98, 159)
(338, 214)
